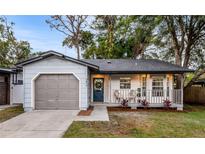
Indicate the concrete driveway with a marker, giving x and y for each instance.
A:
(38, 124)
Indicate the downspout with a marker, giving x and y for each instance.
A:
(182, 90)
(110, 87)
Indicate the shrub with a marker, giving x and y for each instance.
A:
(139, 101)
(145, 103)
(124, 103)
(167, 103)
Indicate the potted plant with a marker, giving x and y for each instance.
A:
(144, 103)
(139, 101)
(167, 103)
(124, 103)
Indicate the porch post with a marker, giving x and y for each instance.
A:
(110, 88)
(180, 106)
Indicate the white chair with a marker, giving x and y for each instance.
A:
(117, 96)
(132, 96)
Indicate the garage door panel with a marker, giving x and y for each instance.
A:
(63, 96)
(67, 104)
(52, 84)
(42, 105)
(68, 94)
(63, 84)
(41, 84)
(57, 92)
(52, 77)
(40, 93)
(41, 96)
(63, 77)
(73, 94)
(74, 90)
(73, 85)
(51, 94)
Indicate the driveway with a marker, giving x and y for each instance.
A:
(38, 124)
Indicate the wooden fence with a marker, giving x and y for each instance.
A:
(194, 95)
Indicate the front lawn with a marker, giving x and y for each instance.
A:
(10, 112)
(150, 123)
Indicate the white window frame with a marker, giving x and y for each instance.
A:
(125, 83)
(159, 88)
(168, 87)
(144, 86)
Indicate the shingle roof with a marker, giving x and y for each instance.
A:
(136, 65)
(200, 81)
(116, 65)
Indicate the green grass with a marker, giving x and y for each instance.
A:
(190, 123)
(10, 112)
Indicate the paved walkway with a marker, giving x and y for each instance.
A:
(47, 123)
(38, 124)
(98, 114)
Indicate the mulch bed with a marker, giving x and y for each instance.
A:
(141, 109)
(86, 112)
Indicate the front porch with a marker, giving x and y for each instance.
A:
(136, 88)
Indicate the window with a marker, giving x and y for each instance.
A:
(167, 87)
(138, 92)
(144, 84)
(125, 83)
(15, 80)
(157, 87)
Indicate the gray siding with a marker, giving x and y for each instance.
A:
(54, 65)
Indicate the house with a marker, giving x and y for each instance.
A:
(55, 81)
(11, 86)
(200, 82)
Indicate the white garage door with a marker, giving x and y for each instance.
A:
(56, 92)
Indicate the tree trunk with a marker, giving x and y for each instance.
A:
(187, 56)
(178, 61)
(78, 51)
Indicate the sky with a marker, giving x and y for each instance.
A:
(37, 32)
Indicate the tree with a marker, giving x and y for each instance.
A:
(72, 26)
(183, 36)
(11, 50)
(139, 31)
(102, 46)
(122, 36)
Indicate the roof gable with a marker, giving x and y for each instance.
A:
(53, 53)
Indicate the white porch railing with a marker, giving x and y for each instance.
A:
(152, 96)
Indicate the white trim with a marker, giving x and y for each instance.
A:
(40, 73)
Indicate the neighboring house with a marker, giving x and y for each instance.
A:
(200, 82)
(11, 86)
(55, 81)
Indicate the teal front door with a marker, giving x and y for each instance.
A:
(98, 89)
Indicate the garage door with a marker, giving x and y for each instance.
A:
(56, 92)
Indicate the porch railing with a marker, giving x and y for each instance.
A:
(152, 96)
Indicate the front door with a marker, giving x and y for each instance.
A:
(98, 89)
